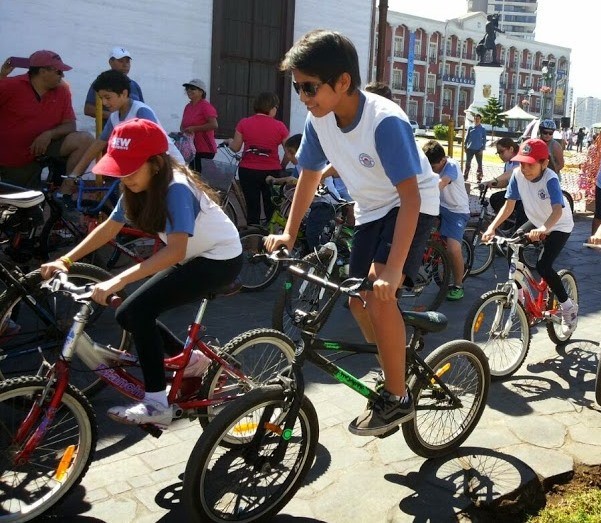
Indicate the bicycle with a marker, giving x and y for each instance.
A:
(501, 320)
(598, 375)
(48, 432)
(278, 425)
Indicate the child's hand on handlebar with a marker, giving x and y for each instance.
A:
(48, 269)
(488, 235)
(537, 235)
(104, 290)
(273, 241)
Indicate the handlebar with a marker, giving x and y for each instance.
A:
(59, 282)
(592, 245)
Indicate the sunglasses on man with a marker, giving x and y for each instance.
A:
(308, 88)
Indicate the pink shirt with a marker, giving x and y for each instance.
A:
(24, 116)
(199, 114)
(263, 132)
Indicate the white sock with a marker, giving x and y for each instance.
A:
(158, 397)
(567, 305)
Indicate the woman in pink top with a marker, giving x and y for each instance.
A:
(261, 135)
(199, 119)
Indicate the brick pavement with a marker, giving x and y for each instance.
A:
(537, 424)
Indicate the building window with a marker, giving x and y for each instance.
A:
(412, 109)
(462, 70)
(447, 69)
(503, 54)
(397, 79)
(399, 43)
(464, 49)
(418, 45)
(431, 83)
(432, 52)
(448, 47)
(429, 110)
(416, 81)
(446, 97)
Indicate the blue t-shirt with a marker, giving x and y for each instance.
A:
(145, 113)
(135, 93)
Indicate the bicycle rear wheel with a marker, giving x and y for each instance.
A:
(59, 462)
(261, 354)
(33, 331)
(250, 482)
(432, 282)
(440, 425)
(554, 329)
(142, 247)
(256, 274)
(485, 325)
(482, 253)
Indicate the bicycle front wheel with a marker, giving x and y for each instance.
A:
(598, 383)
(505, 339)
(432, 282)
(57, 464)
(256, 274)
(255, 480)
(554, 329)
(261, 354)
(482, 253)
(443, 422)
(44, 326)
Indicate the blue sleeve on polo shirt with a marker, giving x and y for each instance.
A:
(512, 189)
(555, 193)
(106, 131)
(91, 96)
(146, 113)
(118, 213)
(451, 170)
(396, 148)
(310, 154)
(183, 208)
(135, 91)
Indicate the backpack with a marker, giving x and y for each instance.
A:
(185, 145)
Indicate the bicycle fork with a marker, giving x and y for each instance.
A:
(498, 326)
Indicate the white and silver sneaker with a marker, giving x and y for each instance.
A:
(569, 320)
(146, 411)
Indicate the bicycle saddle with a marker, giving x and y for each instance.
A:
(22, 200)
(428, 321)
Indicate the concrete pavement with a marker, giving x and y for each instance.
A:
(536, 426)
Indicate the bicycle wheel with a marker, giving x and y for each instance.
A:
(598, 383)
(486, 324)
(251, 482)
(569, 199)
(256, 274)
(569, 282)
(439, 425)
(483, 253)
(261, 354)
(58, 463)
(142, 247)
(301, 295)
(21, 348)
(467, 255)
(230, 212)
(432, 282)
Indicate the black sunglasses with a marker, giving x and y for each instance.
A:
(309, 88)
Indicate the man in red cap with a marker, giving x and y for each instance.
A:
(37, 120)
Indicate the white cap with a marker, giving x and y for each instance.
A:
(119, 52)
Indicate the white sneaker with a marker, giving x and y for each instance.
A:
(197, 365)
(147, 411)
(569, 320)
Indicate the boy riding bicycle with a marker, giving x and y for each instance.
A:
(370, 142)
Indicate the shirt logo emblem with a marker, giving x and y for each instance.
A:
(542, 195)
(366, 160)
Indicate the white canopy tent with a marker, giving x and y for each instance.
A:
(517, 113)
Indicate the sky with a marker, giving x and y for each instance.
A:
(566, 23)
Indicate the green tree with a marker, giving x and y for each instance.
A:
(491, 114)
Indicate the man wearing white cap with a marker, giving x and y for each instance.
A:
(119, 60)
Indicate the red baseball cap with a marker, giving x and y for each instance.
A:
(532, 151)
(48, 59)
(131, 144)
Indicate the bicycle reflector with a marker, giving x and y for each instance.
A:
(478, 322)
(440, 372)
(64, 464)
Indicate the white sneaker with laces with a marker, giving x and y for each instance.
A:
(569, 320)
(146, 411)
(197, 365)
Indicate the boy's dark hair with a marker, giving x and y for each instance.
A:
(265, 102)
(508, 143)
(379, 88)
(113, 81)
(325, 54)
(293, 142)
(433, 151)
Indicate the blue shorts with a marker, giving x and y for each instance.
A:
(452, 224)
(372, 241)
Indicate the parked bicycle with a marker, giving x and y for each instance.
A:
(48, 432)
(277, 426)
(501, 321)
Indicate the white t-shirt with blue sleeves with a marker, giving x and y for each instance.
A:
(210, 232)
(372, 155)
(454, 196)
(538, 197)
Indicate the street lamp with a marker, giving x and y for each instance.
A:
(548, 73)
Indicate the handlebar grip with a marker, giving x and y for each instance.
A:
(114, 301)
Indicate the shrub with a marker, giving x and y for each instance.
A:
(441, 132)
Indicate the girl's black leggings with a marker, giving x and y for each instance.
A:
(178, 285)
(552, 246)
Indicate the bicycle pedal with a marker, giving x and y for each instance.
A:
(392, 431)
(153, 430)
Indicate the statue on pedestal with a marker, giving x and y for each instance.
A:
(488, 42)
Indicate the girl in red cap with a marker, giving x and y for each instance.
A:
(549, 218)
(202, 254)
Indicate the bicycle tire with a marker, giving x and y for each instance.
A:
(303, 296)
(257, 487)
(461, 366)
(570, 200)
(505, 353)
(230, 212)
(483, 254)
(256, 275)
(35, 333)
(569, 282)
(236, 189)
(73, 426)
(468, 257)
(432, 282)
(140, 246)
(261, 354)
(598, 382)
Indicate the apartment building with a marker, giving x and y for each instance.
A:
(518, 17)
